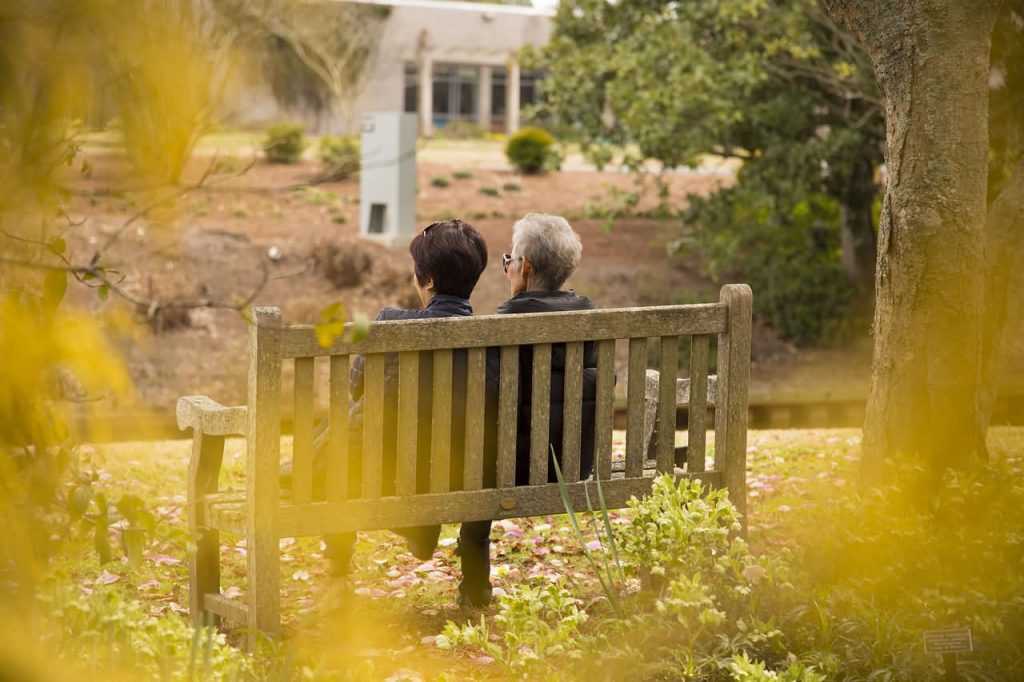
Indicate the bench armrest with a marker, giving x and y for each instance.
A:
(652, 381)
(207, 416)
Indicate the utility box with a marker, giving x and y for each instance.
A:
(387, 178)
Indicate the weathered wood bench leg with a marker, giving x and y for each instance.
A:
(204, 564)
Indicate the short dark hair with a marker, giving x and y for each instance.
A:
(452, 253)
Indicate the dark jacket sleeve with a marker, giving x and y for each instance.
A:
(356, 375)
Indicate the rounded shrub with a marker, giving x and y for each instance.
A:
(340, 156)
(532, 150)
(284, 142)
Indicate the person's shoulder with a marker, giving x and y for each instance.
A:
(392, 313)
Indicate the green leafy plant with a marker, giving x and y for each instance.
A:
(284, 143)
(489, 191)
(462, 175)
(318, 196)
(512, 187)
(536, 622)
(532, 150)
(90, 508)
(461, 130)
(118, 635)
(340, 157)
(787, 249)
(439, 181)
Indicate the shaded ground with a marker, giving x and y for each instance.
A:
(214, 244)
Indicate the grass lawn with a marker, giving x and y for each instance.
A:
(384, 619)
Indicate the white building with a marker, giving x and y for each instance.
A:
(445, 61)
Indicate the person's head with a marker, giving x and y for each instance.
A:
(447, 258)
(545, 252)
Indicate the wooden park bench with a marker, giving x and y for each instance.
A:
(263, 513)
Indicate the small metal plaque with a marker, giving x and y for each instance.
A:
(508, 503)
(956, 641)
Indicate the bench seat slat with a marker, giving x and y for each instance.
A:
(605, 412)
(508, 415)
(408, 406)
(697, 414)
(373, 426)
(667, 368)
(337, 437)
(441, 423)
(302, 441)
(572, 411)
(540, 411)
(473, 471)
(496, 330)
(636, 383)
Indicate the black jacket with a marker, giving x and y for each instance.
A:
(544, 302)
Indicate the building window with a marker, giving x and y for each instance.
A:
(529, 92)
(455, 93)
(499, 98)
(412, 89)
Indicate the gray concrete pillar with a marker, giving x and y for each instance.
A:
(483, 98)
(512, 98)
(426, 96)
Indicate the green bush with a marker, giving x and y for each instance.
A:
(787, 249)
(462, 175)
(461, 130)
(489, 191)
(532, 150)
(284, 143)
(340, 156)
(439, 181)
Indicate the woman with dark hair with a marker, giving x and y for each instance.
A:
(448, 258)
(545, 252)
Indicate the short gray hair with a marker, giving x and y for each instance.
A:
(550, 244)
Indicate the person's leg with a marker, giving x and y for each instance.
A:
(475, 551)
(339, 548)
(422, 540)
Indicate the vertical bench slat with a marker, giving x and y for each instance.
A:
(667, 367)
(572, 411)
(441, 423)
(473, 466)
(697, 413)
(337, 444)
(302, 440)
(408, 415)
(540, 410)
(508, 414)
(635, 407)
(605, 412)
(373, 426)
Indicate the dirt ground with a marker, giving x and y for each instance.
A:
(216, 243)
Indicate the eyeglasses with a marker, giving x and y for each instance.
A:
(506, 260)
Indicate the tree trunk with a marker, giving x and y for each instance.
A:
(857, 227)
(931, 59)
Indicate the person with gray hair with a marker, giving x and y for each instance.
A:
(545, 253)
(545, 250)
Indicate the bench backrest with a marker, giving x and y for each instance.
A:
(726, 322)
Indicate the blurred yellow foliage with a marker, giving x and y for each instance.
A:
(58, 60)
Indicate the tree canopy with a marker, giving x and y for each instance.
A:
(777, 85)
